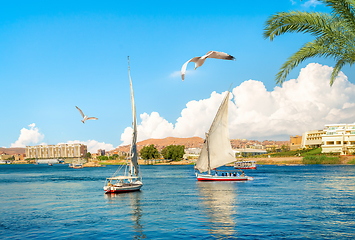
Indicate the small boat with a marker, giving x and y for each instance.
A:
(131, 180)
(245, 165)
(217, 150)
(122, 184)
(224, 175)
(76, 165)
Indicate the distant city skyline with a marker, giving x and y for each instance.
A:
(58, 55)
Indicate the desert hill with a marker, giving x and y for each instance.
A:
(12, 151)
(196, 142)
(192, 142)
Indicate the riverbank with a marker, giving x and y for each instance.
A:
(259, 161)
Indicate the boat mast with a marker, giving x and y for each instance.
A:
(131, 170)
(208, 155)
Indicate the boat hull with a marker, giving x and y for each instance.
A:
(123, 188)
(245, 165)
(207, 177)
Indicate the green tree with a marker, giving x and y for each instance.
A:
(273, 149)
(149, 152)
(284, 148)
(175, 152)
(101, 158)
(334, 35)
(88, 155)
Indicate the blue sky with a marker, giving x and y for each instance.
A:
(55, 55)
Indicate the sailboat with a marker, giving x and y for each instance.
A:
(131, 180)
(217, 150)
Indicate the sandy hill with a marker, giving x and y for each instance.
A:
(196, 142)
(11, 151)
(192, 142)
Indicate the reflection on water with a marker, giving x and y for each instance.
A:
(219, 201)
(136, 209)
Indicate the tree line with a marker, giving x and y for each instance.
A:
(174, 152)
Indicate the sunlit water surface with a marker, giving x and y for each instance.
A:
(289, 202)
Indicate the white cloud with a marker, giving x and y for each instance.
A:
(94, 145)
(302, 104)
(311, 3)
(28, 136)
(152, 126)
(176, 74)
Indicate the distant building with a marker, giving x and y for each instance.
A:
(19, 157)
(192, 152)
(5, 156)
(101, 152)
(75, 150)
(254, 146)
(295, 142)
(272, 147)
(312, 139)
(339, 138)
(245, 152)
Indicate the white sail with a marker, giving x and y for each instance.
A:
(134, 156)
(217, 150)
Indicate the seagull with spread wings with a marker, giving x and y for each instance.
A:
(85, 117)
(200, 60)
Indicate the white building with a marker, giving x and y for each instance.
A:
(244, 152)
(192, 152)
(339, 138)
(312, 138)
(75, 150)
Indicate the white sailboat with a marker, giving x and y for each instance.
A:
(131, 180)
(217, 150)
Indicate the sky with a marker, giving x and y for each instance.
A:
(55, 55)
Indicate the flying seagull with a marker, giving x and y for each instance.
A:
(85, 117)
(200, 60)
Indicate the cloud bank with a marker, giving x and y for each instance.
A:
(299, 105)
(28, 136)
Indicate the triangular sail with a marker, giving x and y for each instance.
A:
(219, 148)
(134, 156)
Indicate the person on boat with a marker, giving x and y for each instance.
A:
(242, 174)
(215, 174)
(109, 183)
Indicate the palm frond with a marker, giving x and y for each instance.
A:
(344, 9)
(336, 70)
(316, 48)
(296, 21)
(334, 35)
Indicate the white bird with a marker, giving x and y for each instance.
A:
(200, 60)
(85, 117)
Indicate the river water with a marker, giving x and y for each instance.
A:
(283, 202)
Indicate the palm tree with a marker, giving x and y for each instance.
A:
(334, 35)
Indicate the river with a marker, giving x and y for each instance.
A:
(283, 202)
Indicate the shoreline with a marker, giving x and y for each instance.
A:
(344, 160)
